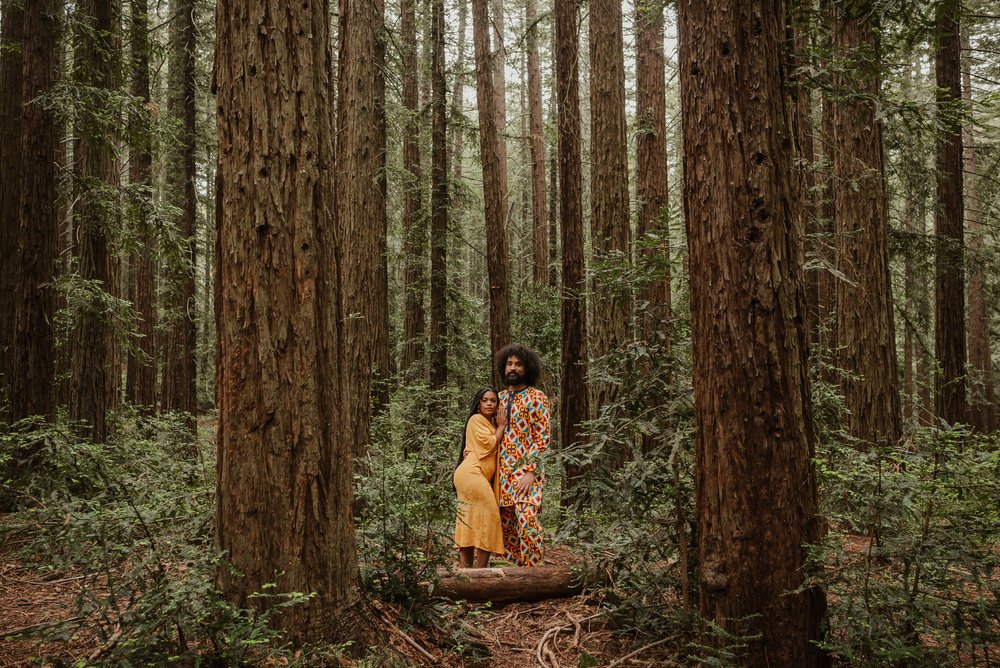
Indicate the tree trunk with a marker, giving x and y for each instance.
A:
(497, 253)
(140, 375)
(379, 294)
(982, 404)
(949, 296)
(179, 377)
(609, 222)
(498, 64)
(439, 205)
(10, 183)
(414, 222)
(651, 166)
(756, 486)
(509, 585)
(93, 370)
(461, 251)
(358, 200)
(288, 363)
(573, 401)
(865, 331)
(33, 391)
(539, 220)
(553, 245)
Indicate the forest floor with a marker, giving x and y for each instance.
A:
(564, 632)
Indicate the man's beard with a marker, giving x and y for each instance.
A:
(514, 378)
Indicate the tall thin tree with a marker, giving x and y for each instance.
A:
(439, 204)
(179, 377)
(609, 223)
(381, 366)
(497, 248)
(93, 368)
(574, 402)
(865, 330)
(285, 277)
(756, 487)
(539, 217)
(949, 271)
(33, 391)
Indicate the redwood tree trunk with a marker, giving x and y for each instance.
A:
(93, 369)
(460, 253)
(982, 404)
(439, 204)
(949, 296)
(10, 178)
(756, 487)
(539, 220)
(609, 223)
(358, 200)
(140, 375)
(33, 391)
(414, 221)
(497, 253)
(285, 276)
(179, 377)
(865, 331)
(379, 294)
(574, 406)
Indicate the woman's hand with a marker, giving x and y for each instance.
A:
(501, 418)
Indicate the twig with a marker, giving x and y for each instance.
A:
(34, 627)
(638, 651)
(409, 639)
(106, 647)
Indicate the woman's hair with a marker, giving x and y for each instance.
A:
(473, 410)
(528, 357)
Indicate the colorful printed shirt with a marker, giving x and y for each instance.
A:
(526, 438)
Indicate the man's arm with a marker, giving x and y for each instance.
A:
(538, 442)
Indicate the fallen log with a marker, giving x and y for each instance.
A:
(508, 585)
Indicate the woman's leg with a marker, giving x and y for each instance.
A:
(482, 558)
(465, 556)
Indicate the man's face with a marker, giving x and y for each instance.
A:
(513, 372)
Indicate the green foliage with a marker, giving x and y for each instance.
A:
(134, 518)
(910, 561)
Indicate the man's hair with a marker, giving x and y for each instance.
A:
(528, 357)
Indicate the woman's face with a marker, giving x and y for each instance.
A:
(488, 404)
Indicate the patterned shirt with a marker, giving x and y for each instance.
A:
(526, 438)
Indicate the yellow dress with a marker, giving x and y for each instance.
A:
(478, 522)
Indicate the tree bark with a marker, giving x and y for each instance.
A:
(573, 399)
(33, 390)
(756, 486)
(10, 184)
(439, 205)
(498, 64)
(497, 248)
(982, 404)
(609, 223)
(414, 221)
(359, 199)
(539, 218)
(287, 284)
(179, 371)
(461, 252)
(509, 585)
(93, 369)
(865, 330)
(379, 295)
(140, 375)
(949, 297)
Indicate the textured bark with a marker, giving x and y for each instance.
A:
(949, 295)
(498, 65)
(866, 337)
(554, 254)
(651, 165)
(982, 400)
(497, 253)
(93, 368)
(756, 487)
(539, 219)
(439, 205)
(179, 371)
(508, 585)
(573, 403)
(379, 294)
(461, 249)
(414, 221)
(140, 375)
(359, 200)
(287, 384)
(33, 392)
(10, 178)
(609, 222)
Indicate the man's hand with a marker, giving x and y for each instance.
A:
(524, 483)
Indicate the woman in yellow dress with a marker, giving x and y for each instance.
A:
(478, 524)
